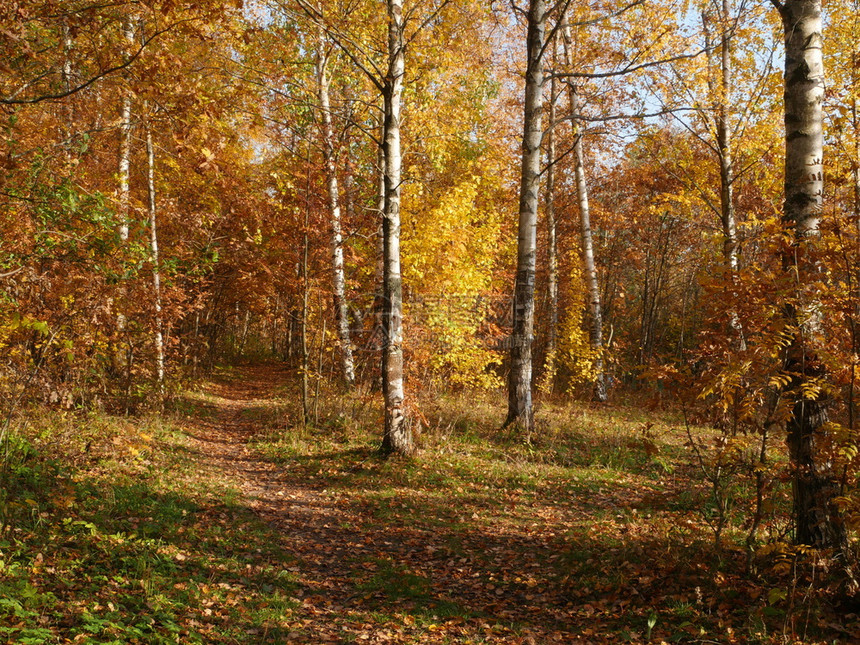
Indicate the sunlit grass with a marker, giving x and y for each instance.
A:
(111, 536)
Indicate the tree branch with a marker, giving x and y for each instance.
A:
(61, 95)
(629, 69)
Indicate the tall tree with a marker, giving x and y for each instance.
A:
(814, 484)
(551, 231)
(595, 327)
(720, 79)
(338, 276)
(387, 73)
(156, 270)
(397, 436)
(128, 31)
(520, 408)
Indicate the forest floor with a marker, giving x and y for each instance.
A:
(225, 521)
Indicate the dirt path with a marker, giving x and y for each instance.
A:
(365, 580)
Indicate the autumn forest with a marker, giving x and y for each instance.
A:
(429, 321)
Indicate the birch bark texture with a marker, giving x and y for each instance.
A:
(122, 360)
(592, 284)
(341, 314)
(68, 80)
(379, 258)
(815, 486)
(397, 437)
(156, 272)
(125, 144)
(520, 406)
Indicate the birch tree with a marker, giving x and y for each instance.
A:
(721, 94)
(727, 117)
(618, 60)
(551, 232)
(520, 407)
(387, 75)
(125, 143)
(814, 484)
(158, 334)
(397, 436)
(122, 360)
(595, 327)
(333, 194)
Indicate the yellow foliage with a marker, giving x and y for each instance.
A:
(450, 252)
(445, 249)
(576, 358)
(550, 371)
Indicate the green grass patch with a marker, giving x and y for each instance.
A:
(108, 541)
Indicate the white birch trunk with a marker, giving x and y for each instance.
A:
(123, 196)
(156, 274)
(723, 96)
(338, 278)
(379, 259)
(520, 408)
(724, 144)
(68, 45)
(595, 310)
(398, 432)
(814, 485)
(552, 244)
(125, 145)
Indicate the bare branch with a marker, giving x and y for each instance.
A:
(425, 22)
(343, 41)
(629, 68)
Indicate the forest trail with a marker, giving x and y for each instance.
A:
(588, 539)
(362, 578)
